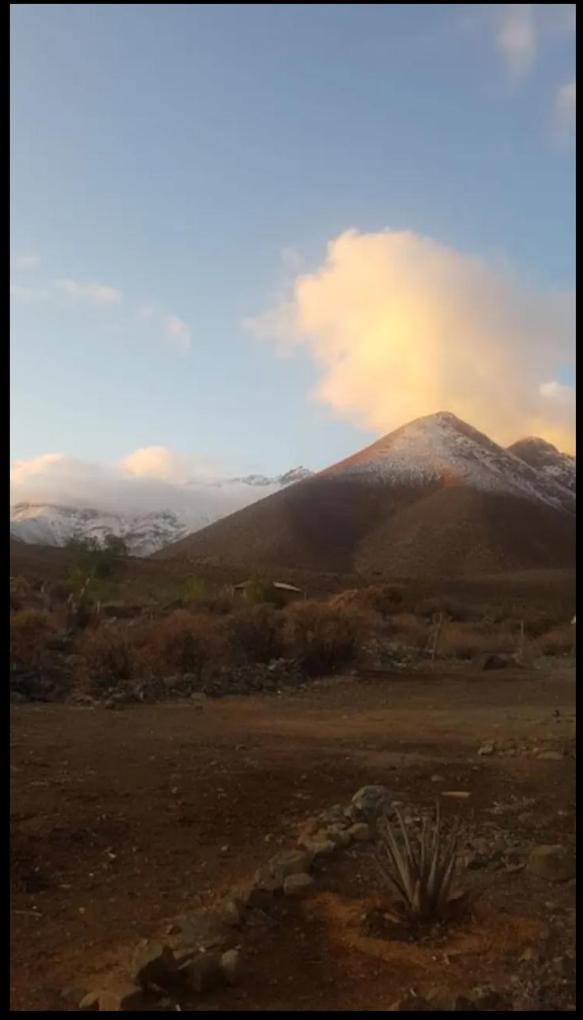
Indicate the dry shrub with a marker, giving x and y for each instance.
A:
(409, 631)
(255, 634)
(30, 629)
(181, 643)
(377, 598)
(557, 641)
(465, 640)
(453, 609)
(326, 637)
(110, 653)
(537, 624)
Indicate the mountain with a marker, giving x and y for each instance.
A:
(201, 504)
(434, 497)
(544, 457)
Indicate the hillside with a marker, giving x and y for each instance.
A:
(434, 498)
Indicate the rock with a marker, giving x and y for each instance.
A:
(203, 930)
(116, 998)
(498, 661)
(73, 994)
(436, 778)
(89, 1002)
(291, 862)
(231, 912)
(456, 794)
(341, 837)
(205, 974)
(298, 885)
(550, 756)
(321, 848)
(230, 965)
(154, 964)
(554, 863)
(361, 832)
(17, 698)
(370, 802)
(486, 749)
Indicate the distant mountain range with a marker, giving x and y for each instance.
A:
(201, 504)
(434, 497)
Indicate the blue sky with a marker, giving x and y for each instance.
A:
(175, 167)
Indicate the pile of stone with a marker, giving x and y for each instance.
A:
(201, 951)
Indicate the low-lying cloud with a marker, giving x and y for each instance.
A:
(148, 480)
(400, 326)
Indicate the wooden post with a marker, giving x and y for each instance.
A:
(520, 653)
(436, 636)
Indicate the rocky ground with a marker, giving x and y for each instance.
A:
(142, 836)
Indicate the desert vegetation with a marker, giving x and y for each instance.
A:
(207, 634)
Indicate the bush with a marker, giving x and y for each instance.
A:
(181, 643)
(90, 559)
(110, 653)
(558, 641)
(409, 631)
(30, 629)
(464, 641)
(380, 598)
(324, 637)
(255, 634)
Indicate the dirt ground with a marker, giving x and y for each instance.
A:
(123, 820)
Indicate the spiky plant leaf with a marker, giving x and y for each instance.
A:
(420, 869)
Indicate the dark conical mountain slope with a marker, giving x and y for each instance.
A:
(434, 497)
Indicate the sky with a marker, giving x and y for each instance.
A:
(247, 237)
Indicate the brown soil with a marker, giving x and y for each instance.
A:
(122, 820)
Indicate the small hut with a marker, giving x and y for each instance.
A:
(275, 591)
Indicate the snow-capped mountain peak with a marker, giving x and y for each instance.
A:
(201, 503)
(443, 449)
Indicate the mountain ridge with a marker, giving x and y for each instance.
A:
(433, 495)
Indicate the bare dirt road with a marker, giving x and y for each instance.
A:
(122, 820)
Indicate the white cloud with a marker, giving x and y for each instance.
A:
(516, 36)
(93, 293)
(399, 326)
(148, 480)
(23, 293)
(25, 260)
(177, 332)
(565, 108)
(158, 462)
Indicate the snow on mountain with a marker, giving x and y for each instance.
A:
(544, 457)
(441, 448)
(200, 504)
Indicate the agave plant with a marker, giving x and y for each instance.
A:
(420, 869)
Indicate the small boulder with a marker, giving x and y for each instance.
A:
(203, 930)
(360, 832)
(498, 661)
(550, 756)
(320, 847)
(117, 998)
(370, 802)
(230, 965)
(341, 837)
(231, 912)
(89, 1002)
(486, 749)
(205, 974)
(554, 863)
(154, 964)
(298, 885)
